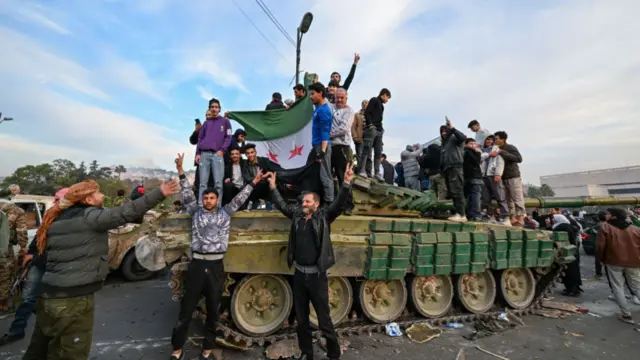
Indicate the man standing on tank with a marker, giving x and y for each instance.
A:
(214, 138)
(373, 131)
(311, 251)
(320, 138)
(205, 274)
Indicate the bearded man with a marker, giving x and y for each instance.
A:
(74, 234)
(311, 251)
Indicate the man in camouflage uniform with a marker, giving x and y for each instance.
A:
(18, 236)
(121, 199)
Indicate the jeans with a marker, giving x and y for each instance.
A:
(326, 178)
(30, 293)
(474, 198)
(204, 277)
(455, 184)
(210, 162)
(314, 288)
(372, 142)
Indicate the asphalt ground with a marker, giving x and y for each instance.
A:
(134, 321)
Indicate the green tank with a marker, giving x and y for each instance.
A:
(391, 265)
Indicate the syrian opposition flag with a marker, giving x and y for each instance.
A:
(283, 136)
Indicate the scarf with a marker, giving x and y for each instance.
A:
(75, 194)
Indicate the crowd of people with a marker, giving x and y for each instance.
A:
(231, 176)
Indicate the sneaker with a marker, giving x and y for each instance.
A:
(379, 177)
(457, 218)
(363, 175)
(181, 357)
(7, 339)
(625, 318)
(635, 300)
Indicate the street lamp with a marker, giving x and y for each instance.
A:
(6, 118)
(302, 29)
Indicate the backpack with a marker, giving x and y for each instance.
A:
(5, 233)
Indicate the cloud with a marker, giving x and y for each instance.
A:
(205, 93)
(34, 13)
(562, 77)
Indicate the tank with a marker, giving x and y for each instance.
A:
(391, 265)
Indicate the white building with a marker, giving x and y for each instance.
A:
(623, 181)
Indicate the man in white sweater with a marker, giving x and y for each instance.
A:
(341, 152)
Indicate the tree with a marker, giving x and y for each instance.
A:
(81, 172)
(65, 172)
(94, 169)
(39, 179)
(540, 191)
(105, 172)
(119, 170)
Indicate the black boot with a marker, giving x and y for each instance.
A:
(7, 339)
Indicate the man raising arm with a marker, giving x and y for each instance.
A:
(311, 251)
(209, 241)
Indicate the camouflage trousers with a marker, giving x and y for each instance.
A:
(64, 329)
(7, 276)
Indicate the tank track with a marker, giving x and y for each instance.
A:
(359, 326)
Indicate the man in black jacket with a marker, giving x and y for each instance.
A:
(387, 169)
(511, 177)
(311, 251)
(452, 161)
(335, 76)
(234, 176)
(373, 132)
(430, 162)
(276, 102)
(74, 234)
(473, 182)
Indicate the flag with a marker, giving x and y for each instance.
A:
(283, 136)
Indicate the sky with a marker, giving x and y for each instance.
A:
(121, 81)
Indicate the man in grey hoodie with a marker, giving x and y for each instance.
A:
(492, 168)
(409, 159)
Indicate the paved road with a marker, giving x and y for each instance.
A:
(134, 321)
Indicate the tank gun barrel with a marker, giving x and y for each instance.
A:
(568, 202)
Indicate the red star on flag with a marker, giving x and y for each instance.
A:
(273, 157)
(297, 151)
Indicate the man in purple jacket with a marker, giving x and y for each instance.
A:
(214, 139)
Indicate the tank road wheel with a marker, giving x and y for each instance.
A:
(383, 301)
(432, 296)
(477, 292)
(340, 301)
(517, 287)
(261, 303)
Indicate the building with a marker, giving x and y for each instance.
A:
(623, 181)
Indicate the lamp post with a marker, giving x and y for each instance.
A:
(302, 29)
(6, 118)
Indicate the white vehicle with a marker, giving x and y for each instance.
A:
(34, 207)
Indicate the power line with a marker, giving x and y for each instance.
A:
(260, 31)
(275, 21)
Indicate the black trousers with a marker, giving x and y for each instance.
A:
(454, 179)
(204, 277)
(314, 288)
(341, 155)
